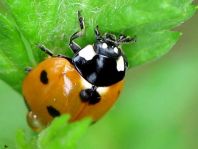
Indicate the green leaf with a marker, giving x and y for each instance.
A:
(26, 23)
(13, 55)
(151, 48)
(24, 142)
(59, 134)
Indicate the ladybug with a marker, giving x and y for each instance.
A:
(86, 85)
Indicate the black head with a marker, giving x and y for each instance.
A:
(107, 49)
(108, 45)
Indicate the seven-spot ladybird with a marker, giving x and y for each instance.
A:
(86, 85)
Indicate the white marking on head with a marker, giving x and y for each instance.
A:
(120, 64)
(116, 50)
(104, 46)
(102, 90)
(87, 53)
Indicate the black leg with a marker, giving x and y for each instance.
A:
(74, 46)
(50, 53)
(28, 69)
(97, 33)
(46, 50)
(63, 56)
(125, 39)
(110, 36)
(121, 37)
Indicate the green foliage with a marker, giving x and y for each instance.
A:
(26, 23)
(60, 134)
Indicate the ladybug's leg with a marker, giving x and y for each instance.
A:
(50, 53)
(46, 50)
(74, 46)
(97, 33)
(91, 96)
(28, 69)
(125, 39)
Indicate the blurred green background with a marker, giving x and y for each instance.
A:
(157, 108)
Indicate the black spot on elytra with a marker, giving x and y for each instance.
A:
(89, 95)
(43, 77)
(52, 111)
(5, 146)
